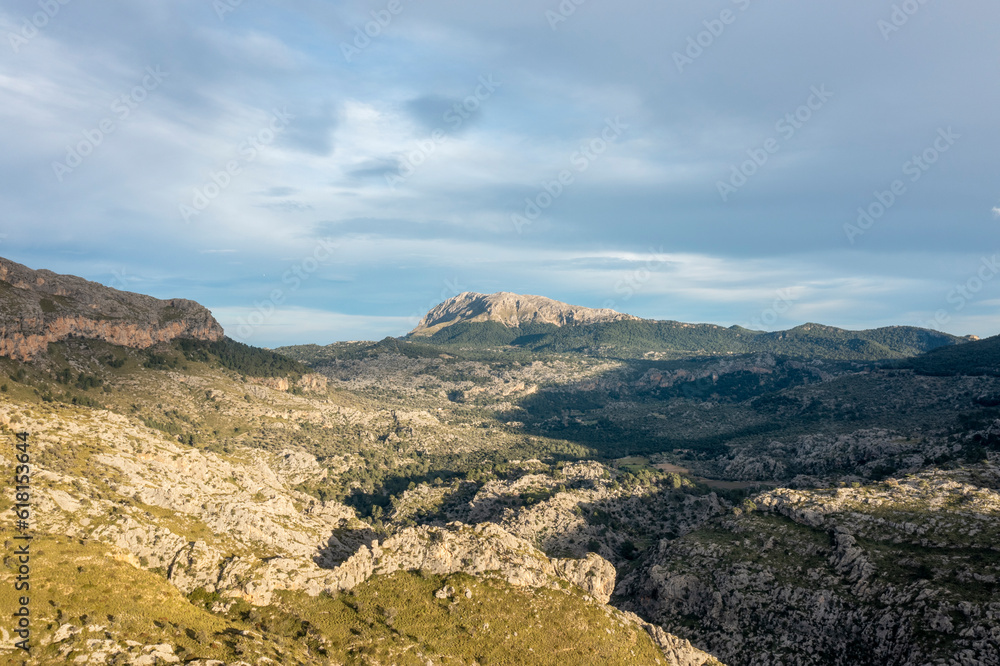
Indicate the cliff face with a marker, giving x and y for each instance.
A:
(39, 307)
(901, 572)
(511, 310)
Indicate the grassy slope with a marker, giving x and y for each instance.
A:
(159, 397)
(391, 619)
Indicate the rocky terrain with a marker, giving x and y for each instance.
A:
(902, 572)
(39, 307)
(419, 501)
(225, 528)
(515, 324)
(511, 310)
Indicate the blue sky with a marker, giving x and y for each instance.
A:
(316, 171)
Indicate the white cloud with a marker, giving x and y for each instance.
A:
(299, 325)
(451, 219)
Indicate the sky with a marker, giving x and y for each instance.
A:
(314, 171)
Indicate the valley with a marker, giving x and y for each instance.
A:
(564, 493)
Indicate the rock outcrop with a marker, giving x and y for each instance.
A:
(678, 651)
(39, 307)
(312, 382)
(484, 549)
(236, 527)
(475, 550)
(904, 572)
(511, 310)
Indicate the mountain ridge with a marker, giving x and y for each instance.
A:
(511, 310)
(39, 306)
(536, 323)
(791, 503)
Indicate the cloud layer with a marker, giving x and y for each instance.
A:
(688, 161)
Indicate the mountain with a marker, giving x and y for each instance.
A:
(979, 357)
(511, 310)
(197, 500)
(839, 513)
(467, 497)
(39, 307)
(539, 324)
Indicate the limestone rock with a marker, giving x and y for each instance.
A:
(476, 550)
(39, 307)
(511, 310)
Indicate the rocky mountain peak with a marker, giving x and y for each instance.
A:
(39, 307)
(511, 310)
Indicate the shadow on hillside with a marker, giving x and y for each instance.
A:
(342, 544)
(702, 408)
(616, 413)
(623, 530)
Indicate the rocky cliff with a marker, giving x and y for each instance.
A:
(510, 310)
(902, 572)
(39, 307)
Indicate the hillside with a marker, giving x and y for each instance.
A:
(39, 307)
(538, 325)
(408, 501)
(981, 357)
(198, 500)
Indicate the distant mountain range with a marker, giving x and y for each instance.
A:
(540, 324)
(38, 307)
(505, 468)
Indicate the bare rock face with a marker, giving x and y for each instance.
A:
(312, 382)
(592, 573)
(474, 550)
(511, 310)
(678, 651)
(39, 307)
(276, 383)
(844, 576)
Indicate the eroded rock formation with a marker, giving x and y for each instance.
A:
(39, 307)
(511, 310)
